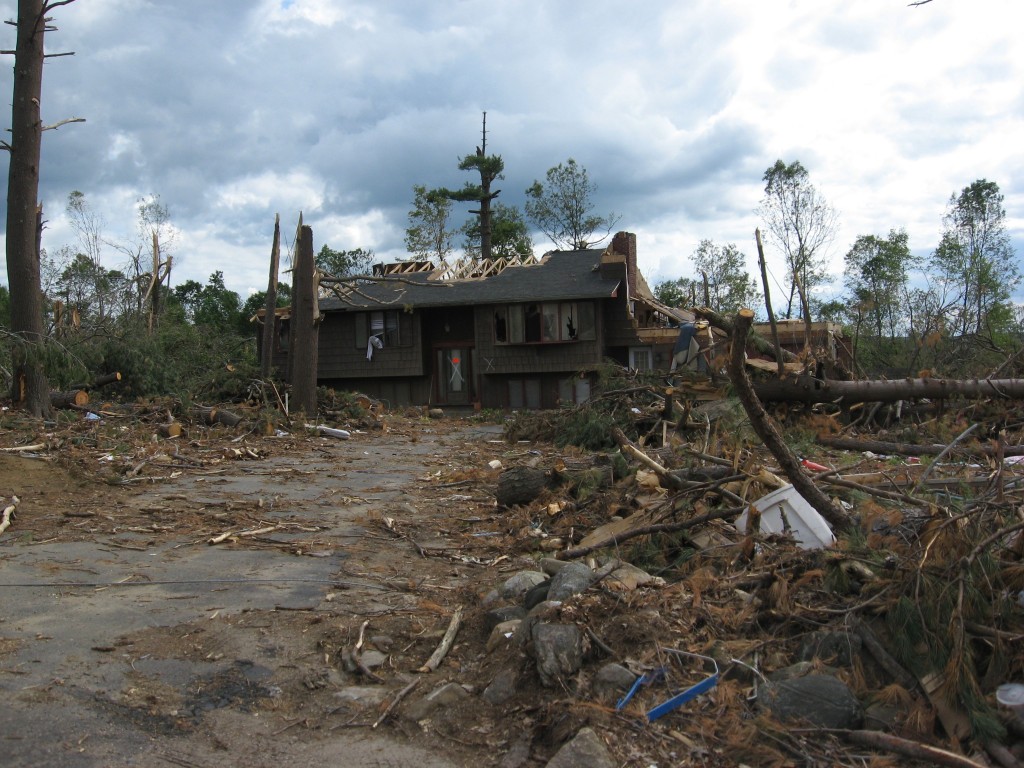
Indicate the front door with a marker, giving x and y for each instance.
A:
(453, 375)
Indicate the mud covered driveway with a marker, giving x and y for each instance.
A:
(128, 638)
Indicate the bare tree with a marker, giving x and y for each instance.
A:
(30, 387)
(801, 224)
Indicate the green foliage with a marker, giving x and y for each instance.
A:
(878, 301)
(975, 264)
(586, 428)
(510, 237)
(5, 307)
(429, 235)
(258, 302)
(212, 306)
(490, 168)
(357, 261)
(801, 224)
(721, 282)
(681, 292)
(562, 208)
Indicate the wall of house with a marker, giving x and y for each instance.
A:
(519, 359)
(340, 358)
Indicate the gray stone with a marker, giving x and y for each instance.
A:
(501, 614)
(551, 565)
(821, 700)
(628, 577)
(503, 635)
(367, 695)
(586, 750)
(545, 611)
(445, 696)
(881, 717)
(611, 681)
(836, 647)
(373, 659)
(536, 595)
(558, 649)
(383, 643)
(800, 669)
(571, 580)
(519, 584)
(502, 687)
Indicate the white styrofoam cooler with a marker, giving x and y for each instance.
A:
(785, 510)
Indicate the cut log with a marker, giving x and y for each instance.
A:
(75, 398)
(172, 429)
(99, 381)
(520, 485)
(807, 389)
(107, 378)
(218, 416)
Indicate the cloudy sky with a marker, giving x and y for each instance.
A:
(232, 111)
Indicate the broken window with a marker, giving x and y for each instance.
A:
(539, 323)
(390, 326)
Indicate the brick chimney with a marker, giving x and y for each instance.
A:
(625, 244)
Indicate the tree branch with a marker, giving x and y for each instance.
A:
(57, 125)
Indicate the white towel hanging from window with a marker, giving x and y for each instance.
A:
(374, 343)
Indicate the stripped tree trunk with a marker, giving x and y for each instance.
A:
(807, 389)
(270, 318)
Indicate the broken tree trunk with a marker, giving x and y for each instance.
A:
(765, 428)
(520, 485)
(667, 478)
(768, 303)
(911, 449)
(807, 389)
(759, 343)
(269, 330)
(303, 352)
(76, 398)
(218, 416)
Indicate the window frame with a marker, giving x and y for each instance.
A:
(396, 330)
(544, 323)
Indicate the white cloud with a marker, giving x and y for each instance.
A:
(235, 110)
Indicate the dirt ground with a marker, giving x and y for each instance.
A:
(127, 638)
(227, 598)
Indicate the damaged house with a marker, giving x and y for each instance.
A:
(499, 335)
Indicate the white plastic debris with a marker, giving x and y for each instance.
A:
(786, 511)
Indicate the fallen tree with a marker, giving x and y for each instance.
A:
(759, 342)
(769, 434)
(807, 389)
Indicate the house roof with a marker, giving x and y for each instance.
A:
(559, 276)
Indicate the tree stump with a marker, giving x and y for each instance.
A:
(520, 485)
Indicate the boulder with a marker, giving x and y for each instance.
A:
(558, 649)
(586, 750)
(821, 700)
(571, 580)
